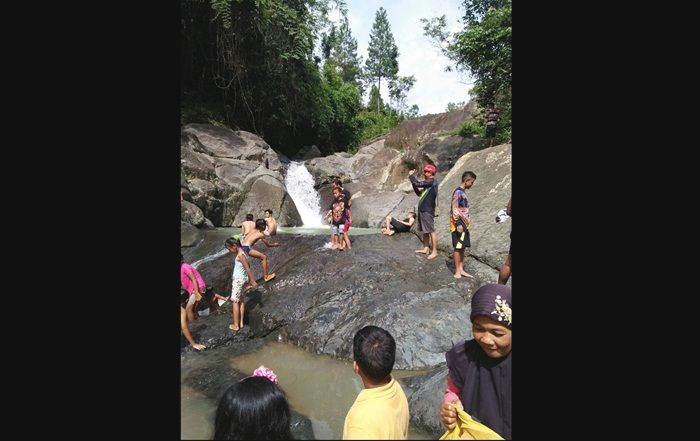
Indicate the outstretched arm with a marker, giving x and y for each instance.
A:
(268, 244)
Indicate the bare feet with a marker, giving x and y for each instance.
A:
(234, 327)
(269, 277)
(432, 256)
(199, 346)
(335, 246)
(422, 251)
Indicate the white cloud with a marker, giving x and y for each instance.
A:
(434, 87)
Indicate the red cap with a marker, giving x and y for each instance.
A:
(429, 168)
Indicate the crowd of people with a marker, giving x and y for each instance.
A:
(478, 386)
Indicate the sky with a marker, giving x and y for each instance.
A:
(434, 87)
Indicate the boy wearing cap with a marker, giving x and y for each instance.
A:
(427, 193)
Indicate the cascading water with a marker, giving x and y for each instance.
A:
(300, 186)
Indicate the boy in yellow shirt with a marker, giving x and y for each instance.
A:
(381, 409)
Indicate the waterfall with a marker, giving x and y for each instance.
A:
(300, 186)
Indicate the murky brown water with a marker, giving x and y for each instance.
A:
(317, 386)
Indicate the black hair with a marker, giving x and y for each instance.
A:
(374, 350)
(249, 217)
(253, 408)
(184, 296)
(269, 211)
(232, 242)
(468, 175)
(338, 182)
(260, 224)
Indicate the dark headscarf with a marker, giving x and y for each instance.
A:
(485, 383)
(493, 301)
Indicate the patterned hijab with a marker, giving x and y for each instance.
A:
(494, 301)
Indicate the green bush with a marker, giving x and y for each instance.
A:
(471, 128)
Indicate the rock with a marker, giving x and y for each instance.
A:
(189, 235)
(191, 213)
(268, 192)
(425, 394)
(309, 152)
(324, 296)
(371, 211)
(222, 142)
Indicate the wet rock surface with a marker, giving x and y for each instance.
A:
(323, 296)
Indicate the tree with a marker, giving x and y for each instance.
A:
(340, 46)
(398, 89)
(382, 51)
(375, 99)
(482, 48)
(452, 106)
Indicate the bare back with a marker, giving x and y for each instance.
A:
(247, 227)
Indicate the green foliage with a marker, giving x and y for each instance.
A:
(375, 123)
(454, 106)
(471, 128)
(382, 53)
(474, 10)
(398, 89)
(482, 48)
(249, 65)
(412, 113)
(222, 8)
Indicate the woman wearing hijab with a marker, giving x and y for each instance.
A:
(479, 379)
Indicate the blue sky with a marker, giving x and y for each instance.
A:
(434, 87)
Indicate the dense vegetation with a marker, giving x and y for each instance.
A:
(280, 69)
(482, 48)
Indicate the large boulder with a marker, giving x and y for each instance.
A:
(322, 169)
(414, 132)
(233, 172)
(372, 210)
(268, 192)
(196, 165)
(261, 171)
(223, 142)
(446, 150)
(324, 296)
(191, 213)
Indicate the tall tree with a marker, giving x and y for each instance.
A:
(382, 52)
(398, 89)
(482, 48)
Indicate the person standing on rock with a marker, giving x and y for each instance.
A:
(249, 240)
(380, 411)
(479, 378)
(241, 274)
(492, 117)
(347, 198)
(460, 222)
(426, 190)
